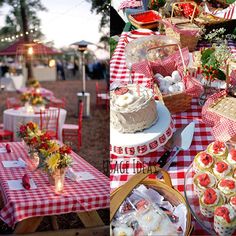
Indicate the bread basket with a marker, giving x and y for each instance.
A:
(165, 188)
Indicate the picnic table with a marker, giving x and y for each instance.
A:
(25, 209)
(129, 166)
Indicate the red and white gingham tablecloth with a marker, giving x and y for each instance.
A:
(130, 4)
(86, 195)
(122, 168)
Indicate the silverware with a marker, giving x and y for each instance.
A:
(182, 142)
(170, 145)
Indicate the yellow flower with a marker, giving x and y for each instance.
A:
(53, 161)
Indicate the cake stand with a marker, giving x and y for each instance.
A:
(142, 143)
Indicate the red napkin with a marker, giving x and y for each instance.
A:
(8, 148)
(26, 182)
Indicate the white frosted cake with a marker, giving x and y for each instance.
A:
(133, 108)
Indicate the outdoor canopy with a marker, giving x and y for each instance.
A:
(19, 47)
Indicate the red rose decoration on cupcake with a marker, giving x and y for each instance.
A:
(121, 90)
(221, 166)
(223, 212)
(233, 201)
(210, 196)
(206, 158)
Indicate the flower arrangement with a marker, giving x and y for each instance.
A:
(33, 97)
(51, 155)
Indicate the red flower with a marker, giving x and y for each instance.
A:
(44, 146)
(45, 137)
(65, 149)
(33, 141)
(31, 125)
(23, 129)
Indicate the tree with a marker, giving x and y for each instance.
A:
(14, 22)
(102, 7)
(23, 16)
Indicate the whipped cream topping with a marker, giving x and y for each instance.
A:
(231, 158)
(220, 151)
(226, 189)
(233, 201)
(201, 163)
(123, 230)
(232, 214)
(222, 174)
(211, 177)
(135, 97)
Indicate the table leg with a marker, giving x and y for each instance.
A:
(29, 225)
(90, 218)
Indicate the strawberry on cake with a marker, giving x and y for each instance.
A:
(209, 200)
(227, 186)
(203, 161)
(225, 220)
(202, 181)
(231, 158)
(218, 149)
(222, 169)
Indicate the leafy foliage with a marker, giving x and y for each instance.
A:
(13, 21)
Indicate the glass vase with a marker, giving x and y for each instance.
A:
(57, 179)
(34, 158)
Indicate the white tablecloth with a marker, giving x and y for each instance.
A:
(13, 118)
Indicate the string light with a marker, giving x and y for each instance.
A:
(13, 37)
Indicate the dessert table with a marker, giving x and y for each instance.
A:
(14, 117)
(25, 209)
(123, 167)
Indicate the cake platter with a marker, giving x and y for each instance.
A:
(142, 143)
(192, 200)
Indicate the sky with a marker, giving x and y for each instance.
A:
(66, 22)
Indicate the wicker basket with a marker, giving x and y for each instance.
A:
(144, 25)
(177, 102)
(225, 106)
(183, 24)
(165, 188)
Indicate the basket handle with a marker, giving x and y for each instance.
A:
(118, 198)
(175, 5)
(180, 51)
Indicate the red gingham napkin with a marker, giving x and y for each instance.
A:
(42, 201)
(130, 4)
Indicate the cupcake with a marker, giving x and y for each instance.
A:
(231, 158)
(203, 161)
(218, 149)
(232, 202)
(225, 220)
(123, 230)
(202, 181)
(227, 186)
(222, 169)
(209, 200)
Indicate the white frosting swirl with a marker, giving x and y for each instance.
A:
(201, 164)
(211, 150)
(231, 160)
(232, 214)
(132, 100)
(123, 230)
(224, 173)
(226, 190)
(211, 177)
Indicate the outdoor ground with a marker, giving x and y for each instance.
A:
(95, 137)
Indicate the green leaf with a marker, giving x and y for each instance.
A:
(221, 75)
(206, 55)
